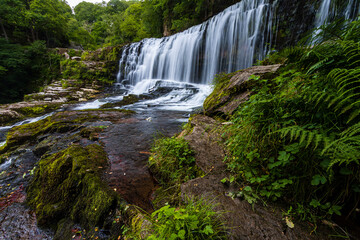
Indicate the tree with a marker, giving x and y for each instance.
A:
(10, 14)
(88, 12)
(116, 6)
(48, 20)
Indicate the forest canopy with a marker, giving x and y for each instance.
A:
(90, 26)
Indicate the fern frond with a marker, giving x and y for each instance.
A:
(297, 132)
(353, 115)
(346, 149)
(319, 65)
(352, 52)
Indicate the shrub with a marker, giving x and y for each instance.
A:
(173, 161)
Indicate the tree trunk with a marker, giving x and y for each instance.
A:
(32, 34)
(47, 39)
(3, 29)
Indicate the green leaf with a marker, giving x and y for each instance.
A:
(289, 223)
(247, 189)
(208, 230)
(317, 179)
(173, 236)
(335, 209)
(315, 203)
(345, 171)
(283, 156)
(356, 188)
(181, 234)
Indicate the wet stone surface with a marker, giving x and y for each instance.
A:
(126, 138)
(127, 145)
(17, 221)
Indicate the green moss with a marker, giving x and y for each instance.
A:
(68, 184)
(221, 81)
(60, 123)
(38, 110)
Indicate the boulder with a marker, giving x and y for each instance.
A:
(235, 90)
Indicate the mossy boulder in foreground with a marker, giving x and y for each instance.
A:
(68, 184)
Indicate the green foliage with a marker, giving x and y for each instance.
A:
(192, 220)
(173, 161)
(195, 220)
(39, 65)
(298, 137)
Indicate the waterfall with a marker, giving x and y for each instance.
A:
(229, 41)
(327, 10)
(323, 13)
(352, 9)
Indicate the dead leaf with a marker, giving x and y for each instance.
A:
(289, 223)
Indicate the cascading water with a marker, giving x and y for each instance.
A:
(227, 42)
(327, 10)
(352, 9)
(323, 13)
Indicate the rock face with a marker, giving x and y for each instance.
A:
(293, 20)
(227, 97)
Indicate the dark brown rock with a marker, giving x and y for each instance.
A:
(203, 138)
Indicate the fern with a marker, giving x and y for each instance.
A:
(347, 82)
(352, 52)
(305, 136)
(346, 149)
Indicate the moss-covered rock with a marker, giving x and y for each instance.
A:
(32, 111)
(59, 123)
(68, 184)
(233, 89)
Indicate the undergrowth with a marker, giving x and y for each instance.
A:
(173, 163)
(298, 138)
(194, 220)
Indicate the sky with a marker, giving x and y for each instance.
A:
(73, 3)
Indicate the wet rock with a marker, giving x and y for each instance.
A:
(73, 177)
(7, 115)
(19, 222)
(203, 138)
(225, 99)
(53, 97)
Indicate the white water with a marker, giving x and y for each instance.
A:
(30, 120)
(227, 42)
(6, 164)
(323, 13)
(181, 96)
(97, 103)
